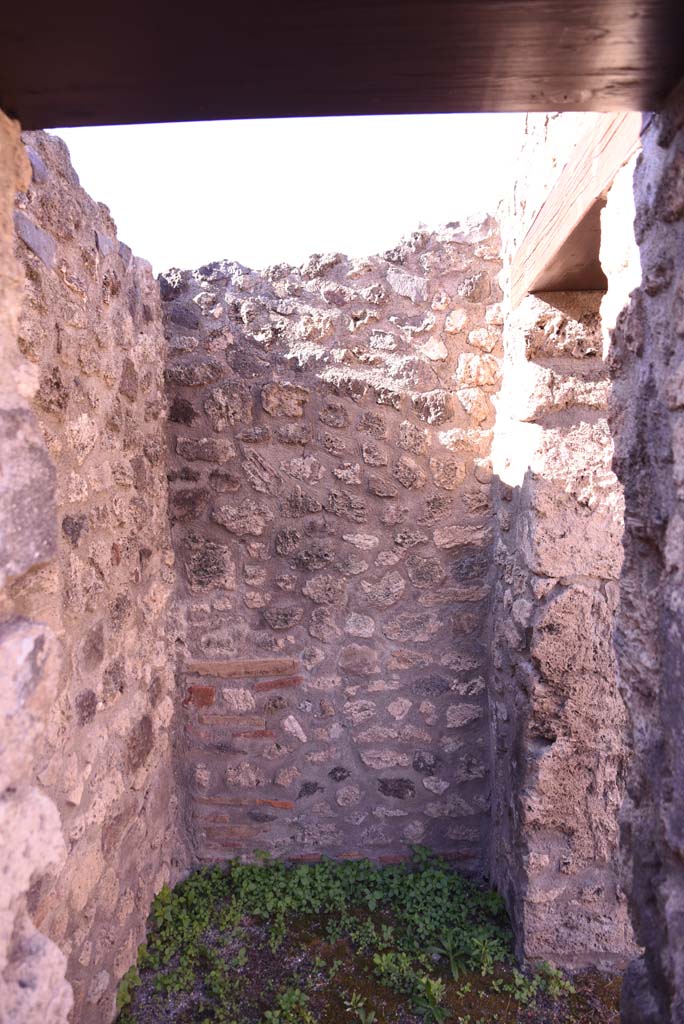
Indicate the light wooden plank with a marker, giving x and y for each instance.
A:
(582, 184)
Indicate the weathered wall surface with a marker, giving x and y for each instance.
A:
(90, 328)
(33, 988)
(646, 418)
(329, 434)
(367, 655)
(558, 721)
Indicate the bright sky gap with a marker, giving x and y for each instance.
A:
(273, 191)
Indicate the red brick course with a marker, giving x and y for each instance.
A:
(199, 696)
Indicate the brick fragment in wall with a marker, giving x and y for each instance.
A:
(381, 487)
(200, 696)
(243, 668)
(328, 511)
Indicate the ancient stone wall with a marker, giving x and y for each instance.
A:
(33, 988)
(329, 437)
(647, 422)
(90, 330)
(558, 721)
(397, 590)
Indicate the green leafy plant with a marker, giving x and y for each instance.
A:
(292, 1007)
(127, 986)
(395, 970)
(395, 919)
(241, 958)
(334, 968)
(428, 995)
(356, 1004)
(484, 955)
(452, 946)
(523, 989)
(553, 981)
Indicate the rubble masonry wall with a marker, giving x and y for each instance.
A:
(328, 443)
(557, 716)
(90, 332)
(646, 420)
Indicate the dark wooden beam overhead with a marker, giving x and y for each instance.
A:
(67, 64)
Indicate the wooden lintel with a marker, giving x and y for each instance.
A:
(560, 249)
(130, 63)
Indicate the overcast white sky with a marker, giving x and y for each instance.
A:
(271, 191)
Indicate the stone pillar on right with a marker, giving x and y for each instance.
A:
(559, 723)
(646, 363)
(557, 717)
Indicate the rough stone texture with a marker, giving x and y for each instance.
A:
(101, 574)
(33, 988)
(646, 361)
(558, 722)
(379, 631)
(349, 524)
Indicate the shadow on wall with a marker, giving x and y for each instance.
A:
(647, 370)
(563, 578)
